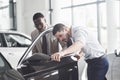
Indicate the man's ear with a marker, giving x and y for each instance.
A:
(45, 19)
(65, 29)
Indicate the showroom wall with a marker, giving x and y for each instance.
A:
(4, 15)
(26, 8)
(25, 12)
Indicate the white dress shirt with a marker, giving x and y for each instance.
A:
(92, 47)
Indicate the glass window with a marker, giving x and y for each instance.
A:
(64, 3)
(66, 16)
(4, 3)
(14, 40)
(81, 16)
(78, 2)
(86, 16)
(3, 64)
(118, 21)
(117, 7)
(118, 37)
(1, 41)
(4, 14)
(103, 24)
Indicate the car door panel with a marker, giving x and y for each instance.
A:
(6, 71)
(48, 70)
(13, 55)
(16, 45)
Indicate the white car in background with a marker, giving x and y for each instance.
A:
(13, 44)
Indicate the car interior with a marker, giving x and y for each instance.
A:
(14, 40)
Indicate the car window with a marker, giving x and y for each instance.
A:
(1, 41)
(16, 40)
(3, 64)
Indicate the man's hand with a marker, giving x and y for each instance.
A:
(78, 56)
(57, 56)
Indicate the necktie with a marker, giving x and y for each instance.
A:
(44, 45)
(69, 42)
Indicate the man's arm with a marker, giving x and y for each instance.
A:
(78, 56)
(74, 47)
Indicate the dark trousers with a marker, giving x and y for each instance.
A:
(97, 68)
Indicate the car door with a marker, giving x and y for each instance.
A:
(40, 66)
(16, 46)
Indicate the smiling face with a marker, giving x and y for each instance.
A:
(40, 23)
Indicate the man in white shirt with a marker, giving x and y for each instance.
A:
(83, 41)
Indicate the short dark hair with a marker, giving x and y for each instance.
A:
(38, 15)
(57, 28)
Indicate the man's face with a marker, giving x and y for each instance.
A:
(62, 35)
(40, 23)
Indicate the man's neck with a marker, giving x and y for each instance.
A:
(69, 31)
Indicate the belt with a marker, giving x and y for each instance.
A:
(94, 59)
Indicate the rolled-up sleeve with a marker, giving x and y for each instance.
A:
(80, 35)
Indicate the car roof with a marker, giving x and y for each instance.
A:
(14, 32)
(9, 31)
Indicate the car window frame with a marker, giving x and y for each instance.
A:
(6, 63)
(4, 34)
(26, 53)
(4, 44)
